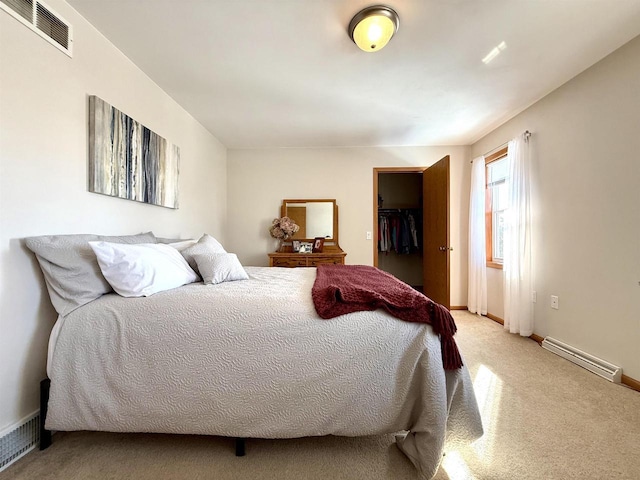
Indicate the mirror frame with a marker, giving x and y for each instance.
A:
(334, 239)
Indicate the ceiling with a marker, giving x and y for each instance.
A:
(284, 73)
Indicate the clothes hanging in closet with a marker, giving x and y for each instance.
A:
(397, 232)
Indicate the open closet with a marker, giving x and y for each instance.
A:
(411, 226)
(400, 226)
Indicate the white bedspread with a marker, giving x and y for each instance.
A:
(253, 359)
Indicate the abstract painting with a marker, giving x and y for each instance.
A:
(127, 160)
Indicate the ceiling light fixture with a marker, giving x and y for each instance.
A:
(372, 28)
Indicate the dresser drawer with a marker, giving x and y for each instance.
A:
(290, 262)
(318, 260)
(293, 260)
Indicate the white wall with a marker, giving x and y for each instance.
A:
(259, 179)
(586, 207)
(43, 178)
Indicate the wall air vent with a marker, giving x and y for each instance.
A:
(42, 20)
(19, 439)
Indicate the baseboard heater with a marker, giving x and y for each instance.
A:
(596, 365)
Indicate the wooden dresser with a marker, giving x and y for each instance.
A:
(292, 259)
(323, 215)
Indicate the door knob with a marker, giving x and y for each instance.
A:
(444, 249)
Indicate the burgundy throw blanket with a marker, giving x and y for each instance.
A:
(341, 289)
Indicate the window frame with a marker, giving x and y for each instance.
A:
(498, 155)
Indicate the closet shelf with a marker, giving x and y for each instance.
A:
(395, 209)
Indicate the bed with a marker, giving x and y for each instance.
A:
(252, 359)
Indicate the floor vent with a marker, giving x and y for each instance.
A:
(42, 20)
(19, 440)
(591, 363)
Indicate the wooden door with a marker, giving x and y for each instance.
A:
(436, 246)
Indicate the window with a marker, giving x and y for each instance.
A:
(497, 173)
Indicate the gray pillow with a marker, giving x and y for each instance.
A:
(71, 269)
(220, 267)
(206, 244)
(169, 240)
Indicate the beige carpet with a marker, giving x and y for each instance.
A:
(544, 417)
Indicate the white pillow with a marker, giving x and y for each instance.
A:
(144, 269)
(206, 244)
(220, 267)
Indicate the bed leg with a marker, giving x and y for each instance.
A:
(45, 435)
(240, 447)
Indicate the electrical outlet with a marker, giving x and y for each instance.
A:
(534, 296)
(368, 235)
(555, 302)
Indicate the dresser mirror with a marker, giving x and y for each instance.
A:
(316, 218)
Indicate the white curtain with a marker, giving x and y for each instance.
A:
(477, 297)
(518, 308)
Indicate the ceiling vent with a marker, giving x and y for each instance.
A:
(42, 20)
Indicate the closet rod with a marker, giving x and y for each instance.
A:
(527, 135)
(398, 209)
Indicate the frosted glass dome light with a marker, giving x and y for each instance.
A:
(372, 28)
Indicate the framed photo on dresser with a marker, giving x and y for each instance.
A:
(318, 244)
(305, 247)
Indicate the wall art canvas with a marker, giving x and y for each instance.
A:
(127, 160)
